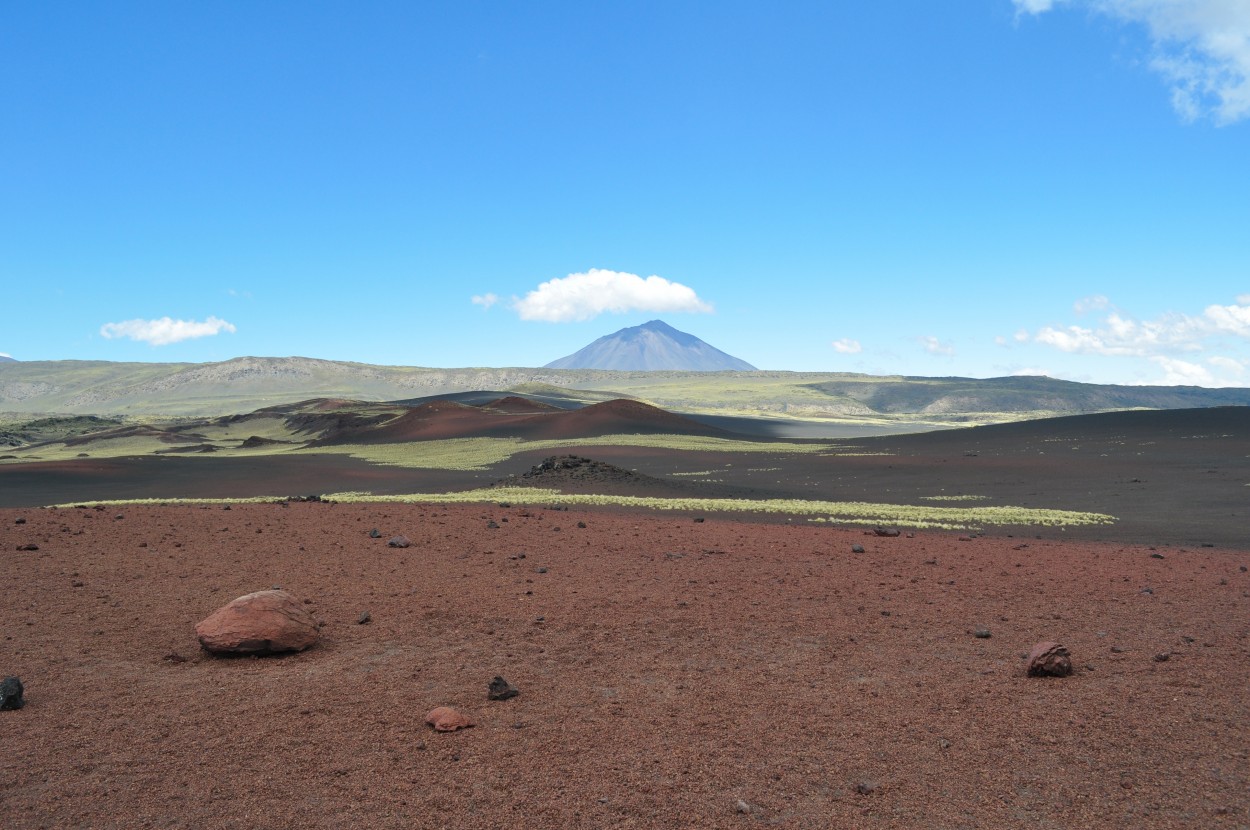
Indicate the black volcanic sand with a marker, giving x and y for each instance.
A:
(1171, 477)
(170, 477)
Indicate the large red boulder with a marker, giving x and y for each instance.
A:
(261, 623)
(1049, 659)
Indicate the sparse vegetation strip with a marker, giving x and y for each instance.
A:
(481, 453)
(865, 513)
(856, 513)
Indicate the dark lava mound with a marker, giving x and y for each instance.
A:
(577, 474)
(563, 468)
(257, 441)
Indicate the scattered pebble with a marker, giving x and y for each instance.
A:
(398, 542)
(28, 547)
(364, 619)
(500, 689)
(1163, 657)
(857, 548)
(375, 534)
(981, 632)
(866, 787)
(11, 693)
(1156, 556)
(20, 521)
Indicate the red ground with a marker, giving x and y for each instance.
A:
(675, 674)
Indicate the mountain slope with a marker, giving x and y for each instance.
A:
(249, 383)
(653, 346)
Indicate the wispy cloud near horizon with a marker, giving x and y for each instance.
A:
(583, 296)
(1200, 47)
(164, 331)
(934, 346)
(1121, 335)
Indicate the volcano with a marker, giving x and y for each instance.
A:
(652, 346)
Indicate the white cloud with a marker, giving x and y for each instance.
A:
(164, 331)
(1095, 303)
(1035, 6)
(847, 346)
(5, 354)
(1123, 336)
(1230, 319)
(1120, 335)
(1200, 47)
(1030, 372)
(1186, 373)
(1183, 373)
(484, 300)
(586, 295)
(1228, 364)
(934, 346)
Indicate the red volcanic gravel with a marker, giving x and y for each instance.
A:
(673, 674)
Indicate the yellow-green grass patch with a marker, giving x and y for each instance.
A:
(482, 453)
(852, 513)
(857, 513)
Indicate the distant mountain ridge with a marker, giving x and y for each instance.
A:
(244, 384)
(653, 346)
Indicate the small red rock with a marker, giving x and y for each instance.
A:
(1049, 659)
(263, 622)
(447, 719)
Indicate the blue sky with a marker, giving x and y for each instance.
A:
(980, 188)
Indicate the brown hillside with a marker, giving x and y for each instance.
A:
(621, 417)
(446, 419)
(516, 405)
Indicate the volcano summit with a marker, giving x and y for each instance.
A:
(652, 346)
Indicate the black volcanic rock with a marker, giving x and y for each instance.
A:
(650, 347)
